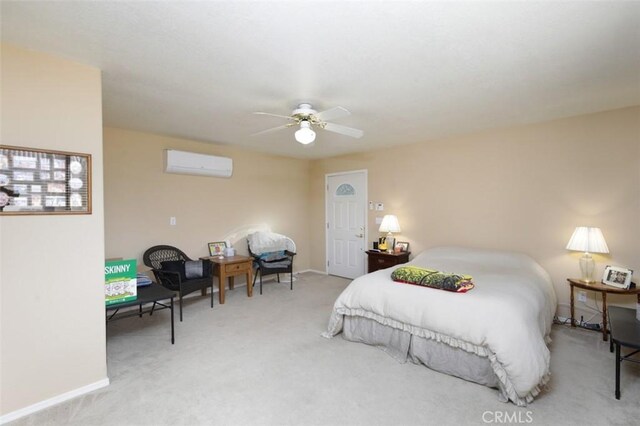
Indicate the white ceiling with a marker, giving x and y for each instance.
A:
(408, 71)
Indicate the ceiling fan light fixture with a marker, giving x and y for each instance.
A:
(305, 135)
(308, 118)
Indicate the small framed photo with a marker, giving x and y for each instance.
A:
(217, 248)
(401, 247)
(617, 277)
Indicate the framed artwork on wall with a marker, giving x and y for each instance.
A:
(29, 185)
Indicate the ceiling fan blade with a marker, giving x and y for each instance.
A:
(344, 130)
(275, 115)
(332, 113)
(274, 129)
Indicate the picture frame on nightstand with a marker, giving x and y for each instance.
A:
(617, 277)
(401, 247)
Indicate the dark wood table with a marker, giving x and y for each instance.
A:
(382, 259)
(604, 290)
(228, 267)
(625, 331)
(153, 293)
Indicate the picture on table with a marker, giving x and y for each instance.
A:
(217, 248)
(616, 276)
(401, 247)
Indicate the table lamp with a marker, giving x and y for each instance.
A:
(389, 225)
(588, 240)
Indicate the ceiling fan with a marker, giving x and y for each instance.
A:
(308, 119)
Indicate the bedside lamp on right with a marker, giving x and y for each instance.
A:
(587, 240)
(389, 225)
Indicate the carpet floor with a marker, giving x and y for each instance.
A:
(262, 361)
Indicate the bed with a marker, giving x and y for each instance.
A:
(495, 334)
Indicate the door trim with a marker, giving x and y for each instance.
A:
(365, 209)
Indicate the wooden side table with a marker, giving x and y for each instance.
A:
(382, 259)
(603, 289)
(229, 267)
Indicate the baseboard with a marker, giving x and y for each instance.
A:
(266, 279)
(581, 309)
(312, 270)
(14, 415)
(583, 312)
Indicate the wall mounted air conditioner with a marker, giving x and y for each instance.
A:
(190, 163)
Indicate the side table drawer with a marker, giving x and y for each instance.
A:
(235, 268)
(382, 262)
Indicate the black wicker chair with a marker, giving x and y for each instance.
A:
(279, 264)
(172, 275)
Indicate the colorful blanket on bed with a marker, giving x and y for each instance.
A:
(458, 283)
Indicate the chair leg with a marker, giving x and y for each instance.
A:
(291, 276)
(278, 275)
(211, 293)
(180, 306)
(261, 282)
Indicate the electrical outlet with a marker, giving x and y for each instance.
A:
(379, 207)
(582, 296)
(172, 221)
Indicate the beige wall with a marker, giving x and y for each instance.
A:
(522, 189)
(51, 267)
(265, 191)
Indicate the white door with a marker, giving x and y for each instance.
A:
(346, 212)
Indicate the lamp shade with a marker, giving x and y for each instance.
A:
(588, 240)
(389, 224)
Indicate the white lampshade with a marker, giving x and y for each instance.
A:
(305, 135)
(389, 224)
(588, 240)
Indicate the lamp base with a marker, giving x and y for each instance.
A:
(587, 266)
(391, 242)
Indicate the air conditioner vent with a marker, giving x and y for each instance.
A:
(191, 163)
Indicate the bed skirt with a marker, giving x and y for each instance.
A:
(404, 346)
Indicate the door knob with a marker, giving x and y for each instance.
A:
(360, 235)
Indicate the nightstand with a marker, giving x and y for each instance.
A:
(603, 289)
(382, 259)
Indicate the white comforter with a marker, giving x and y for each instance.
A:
(507, 317)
